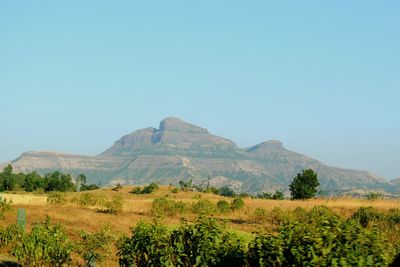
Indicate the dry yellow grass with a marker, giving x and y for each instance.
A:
(137, 207)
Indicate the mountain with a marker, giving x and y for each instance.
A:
(178, 150)
(396, 184)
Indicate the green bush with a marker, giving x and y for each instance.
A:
(300, 214)
(366, 215)
(204, 243)
(260, 215)
(114, 206)
(223, 206)
(45, 245)
(136, 190)
(93, 247)
(88, 199)
(226, 191)
(374, 196)
(167, 207)
(328, 241)
(150, 188)
(264, 195)
(11, 235)
(149, 245)
(278, 195)
(393, 216)
(204, 206)
(146, 190)
(175, 190)
(318, 211)
(89, 187)
(237, 204)
(117, 187)
(278, 216)
(212, 190)
(56, 198)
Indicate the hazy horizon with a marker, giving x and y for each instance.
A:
(321, 78)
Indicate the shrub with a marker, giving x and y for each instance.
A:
(264, 195)
(206, 243)
(136, 190)
(186, 186)
(203, 243)
(226, 192)
(45, 245)
(150, 188)
(204, 206)
(212, 190)
(300, 214)
(175, 190)
(374, 196)
(278, 216)
(88, 199)
(149, 245)
(365, 215)
(328, 241)
(167, 207)
(318, 211)
(223, 206)
(93, 247)
(11, 235)
(56, 199)
(260, 215)
(88, 187)
(117, 187)
(114, 206)
(237, 204)
(278, 195)
(393, 216)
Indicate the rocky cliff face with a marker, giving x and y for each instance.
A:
(178, 150)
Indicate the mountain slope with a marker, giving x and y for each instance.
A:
(178, 150)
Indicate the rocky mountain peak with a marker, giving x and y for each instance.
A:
(267, 146)
(177, 125)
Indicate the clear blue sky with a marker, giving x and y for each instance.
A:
(322, 77)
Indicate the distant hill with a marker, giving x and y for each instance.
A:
(178, 150)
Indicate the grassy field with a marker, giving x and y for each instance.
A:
(75, 217)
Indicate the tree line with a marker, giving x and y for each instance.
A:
(31, 182)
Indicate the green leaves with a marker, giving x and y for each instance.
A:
(304, 185)
(203, 243)
(323, 241)
(94, 246)
(45, 245)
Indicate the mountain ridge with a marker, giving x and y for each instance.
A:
(178, 150)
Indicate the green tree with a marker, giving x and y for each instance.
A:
(227, 192)
(8, 182)
(58, 181)
(32, 182)
(304, 185)
(278, 195)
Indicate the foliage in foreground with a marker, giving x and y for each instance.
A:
(45, 245)
(322, 239)
(204, 243)
(328, 241)
(5, 206)
(94, 246)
